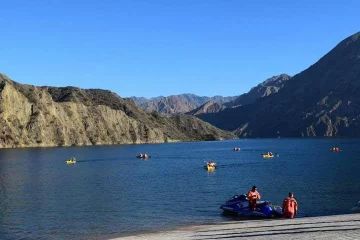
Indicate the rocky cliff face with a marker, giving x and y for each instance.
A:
(178, 103)
(323, 100)
(46, 116)
(264, 89)
(209, 107)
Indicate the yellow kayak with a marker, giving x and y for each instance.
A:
(210, 168)
(70, 161)
(267, 156)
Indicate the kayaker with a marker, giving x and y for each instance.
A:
(253, 196)
(145, 155)
(290, 206)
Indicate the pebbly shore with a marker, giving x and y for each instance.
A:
(325, 227)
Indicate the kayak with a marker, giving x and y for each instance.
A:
(267, 156)
(70, 161)
(210, 168)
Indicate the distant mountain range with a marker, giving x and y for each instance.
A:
(195, 105)
(177, 103)
(322, 100)
(264, 89)
(208, 107)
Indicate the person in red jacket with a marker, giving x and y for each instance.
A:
(253, 196)
(290, 206)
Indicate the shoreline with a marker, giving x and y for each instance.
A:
(324, 227)
(36, 146)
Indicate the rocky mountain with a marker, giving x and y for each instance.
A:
(264, 89)
(47, 116)
(139, 100)
(209, 107)
(323, 100)
(195, 105)
(178, 103)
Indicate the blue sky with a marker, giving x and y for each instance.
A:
(162, 47)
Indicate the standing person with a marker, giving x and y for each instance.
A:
(253, 196)
(290, 206)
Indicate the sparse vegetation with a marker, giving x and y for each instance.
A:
(53, 123)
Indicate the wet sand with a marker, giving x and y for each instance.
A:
(326, 227)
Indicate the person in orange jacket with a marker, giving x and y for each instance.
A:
(253, 196)
(290, 206)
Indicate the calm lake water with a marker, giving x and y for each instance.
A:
(109, 193)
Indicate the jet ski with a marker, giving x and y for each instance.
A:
(239, 205)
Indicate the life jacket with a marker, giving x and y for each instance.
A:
(290, 205)
(253, 195)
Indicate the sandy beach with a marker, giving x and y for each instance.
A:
(325, 227)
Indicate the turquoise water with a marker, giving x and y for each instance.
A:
(110, 193)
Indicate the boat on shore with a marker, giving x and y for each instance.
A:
(239, 205)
